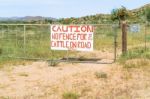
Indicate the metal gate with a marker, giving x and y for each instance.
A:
(32, 41)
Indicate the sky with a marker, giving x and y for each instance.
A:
(63, 8)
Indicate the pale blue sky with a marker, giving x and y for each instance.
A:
(63, 8)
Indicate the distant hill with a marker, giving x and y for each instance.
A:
(28, 19)
(141, 9)
(91, 19)
(36, 18)
(138, 13)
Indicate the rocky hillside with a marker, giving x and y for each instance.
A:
(138, 16)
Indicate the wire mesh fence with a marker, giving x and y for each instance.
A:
(33, 41)
(138, 38)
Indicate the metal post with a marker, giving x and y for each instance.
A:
(16, 40)
(1, 37)
(7, 40)
(68, 55)
(115, 42)
(52, 53)
(145, 38)
(1, 33)
(24, 46)
(51, 62)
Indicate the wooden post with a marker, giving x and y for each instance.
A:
(124, 37)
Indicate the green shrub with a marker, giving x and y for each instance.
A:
(53, 63)
(100, 75)
(135, 58)
(135, 53)
(70, 95)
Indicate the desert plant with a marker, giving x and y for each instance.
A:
(70, 95)
(23, 74)
(100, 75)
(53, 63)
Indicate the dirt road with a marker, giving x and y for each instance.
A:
(40, 81)
(34, 80)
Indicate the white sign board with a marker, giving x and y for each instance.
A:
(72, 37)
(135, 28)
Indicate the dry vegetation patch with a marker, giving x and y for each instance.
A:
(77, 81)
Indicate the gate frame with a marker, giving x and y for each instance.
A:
(52, 60)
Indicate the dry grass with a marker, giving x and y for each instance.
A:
(10, 63)
(78, 81)
(100, 75)
(137, 63)
(23, 74)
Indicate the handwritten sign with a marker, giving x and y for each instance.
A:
(72, 37)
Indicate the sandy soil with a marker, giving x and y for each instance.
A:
(35, 79)
(40, 81)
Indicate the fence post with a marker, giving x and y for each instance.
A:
(145, 38)
(115, 41)
(68, 55)
(52, 53)
(124, 37)
(16, 39)
(24, 45)
(7, 38)
(1, 32)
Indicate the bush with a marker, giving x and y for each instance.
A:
(70, 95)
(101, 75)
(53, 63)
(135, 53)
(135, 58)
